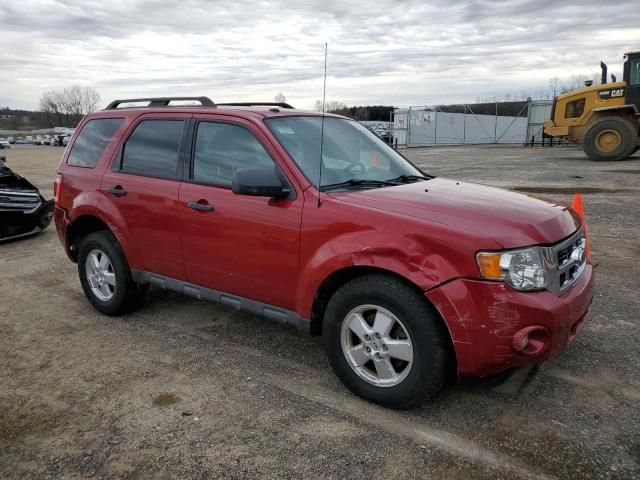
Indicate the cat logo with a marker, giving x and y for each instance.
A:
(611, 93)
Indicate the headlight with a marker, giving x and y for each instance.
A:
(522, 269)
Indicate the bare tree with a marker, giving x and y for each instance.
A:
(280, 98)
(332, 106)
(68, 106)
(554, 86)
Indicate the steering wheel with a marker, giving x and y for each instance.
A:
(353, 165)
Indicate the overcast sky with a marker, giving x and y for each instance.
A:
(396, 52)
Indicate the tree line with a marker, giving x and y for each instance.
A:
(365, 112)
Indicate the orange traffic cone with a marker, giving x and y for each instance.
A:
(578, 207)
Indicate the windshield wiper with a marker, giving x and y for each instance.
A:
(356, 182)
(409, 178)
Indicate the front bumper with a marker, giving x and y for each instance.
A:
(16, 224)
(485, 319)
(551, 129)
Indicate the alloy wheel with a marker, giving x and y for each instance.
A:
(376, 345)
(100, 275)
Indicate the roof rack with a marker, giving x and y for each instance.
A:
(160, 101)
(257, 104)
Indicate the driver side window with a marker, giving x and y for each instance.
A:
(222, 149)
(634, 74)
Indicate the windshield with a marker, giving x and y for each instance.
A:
(350, 152)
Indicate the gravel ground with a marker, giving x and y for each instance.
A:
(186, 389)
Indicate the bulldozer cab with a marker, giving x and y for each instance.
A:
(632, 79)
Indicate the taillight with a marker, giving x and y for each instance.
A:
(57, 188)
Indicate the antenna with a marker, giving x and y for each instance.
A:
(324, 96)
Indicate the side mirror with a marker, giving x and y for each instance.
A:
(259, 182)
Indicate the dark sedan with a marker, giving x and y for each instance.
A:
(23, 210)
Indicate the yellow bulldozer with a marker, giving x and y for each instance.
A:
(604, 118)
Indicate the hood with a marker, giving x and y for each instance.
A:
(11, 180)
(511, 219)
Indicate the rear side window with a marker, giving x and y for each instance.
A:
(222, 149)
(152, 149)
(92, 141)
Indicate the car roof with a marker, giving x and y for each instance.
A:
(240, 109)
(261, 112)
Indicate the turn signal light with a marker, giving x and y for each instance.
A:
(489, 265)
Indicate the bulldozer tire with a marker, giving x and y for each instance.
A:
(610, 138)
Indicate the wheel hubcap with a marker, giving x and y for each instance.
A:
(608, 140)
(376, 345)
(100, 275)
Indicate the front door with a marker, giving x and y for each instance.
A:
(244, 245)
(140, 193)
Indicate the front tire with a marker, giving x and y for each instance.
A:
(105, 275)
(610, 138)
(385, 342)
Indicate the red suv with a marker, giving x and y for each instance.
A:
(313, 221)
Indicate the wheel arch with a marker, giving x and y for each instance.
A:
(85, 225)
(340, 277)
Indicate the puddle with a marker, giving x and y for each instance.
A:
(567, 190)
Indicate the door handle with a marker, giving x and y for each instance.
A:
(118, 191)
(202, 207)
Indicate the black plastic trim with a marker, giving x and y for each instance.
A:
(160, 101)
(258, 104)
(265, 310)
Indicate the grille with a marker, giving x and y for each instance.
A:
(564, 254)
(13, 200)
(566, 261)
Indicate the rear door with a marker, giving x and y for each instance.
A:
(140, 192)
(247, 246)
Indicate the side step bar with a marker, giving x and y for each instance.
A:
(270, 312)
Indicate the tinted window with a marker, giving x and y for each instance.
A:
(152, 149)
(92, 141)
(349, 150)
(222, 149)
(634, 74)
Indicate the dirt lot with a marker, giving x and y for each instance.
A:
(185, 389)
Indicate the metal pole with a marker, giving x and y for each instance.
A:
(408, 127)
(495, 128)
(528, 121)
(435, 128)
(464, 126)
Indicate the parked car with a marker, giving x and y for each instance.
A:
(23, 210)
(38, 141)
(65, 140)
(22, 141)
(11, 140)
(409, 278)
(4, 143)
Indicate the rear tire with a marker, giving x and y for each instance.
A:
(610, 138)
(419, 368)
(105, 275)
